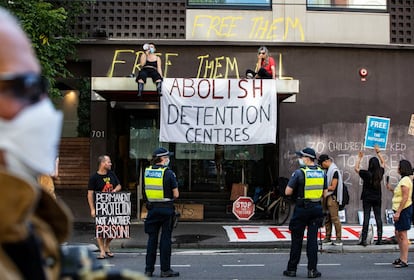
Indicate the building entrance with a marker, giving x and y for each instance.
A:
(205, 173)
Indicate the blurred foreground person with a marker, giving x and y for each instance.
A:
(33, 224)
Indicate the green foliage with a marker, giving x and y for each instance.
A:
(47, 24)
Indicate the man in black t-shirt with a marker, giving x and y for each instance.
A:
(104, 180)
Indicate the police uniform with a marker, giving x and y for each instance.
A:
(308, 184)
(159, 184)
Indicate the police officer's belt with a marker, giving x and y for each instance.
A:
(303, 202)
(168, 204)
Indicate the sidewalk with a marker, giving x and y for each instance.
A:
(205, 235)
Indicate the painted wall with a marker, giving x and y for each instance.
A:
(291, 23)
(332, 105)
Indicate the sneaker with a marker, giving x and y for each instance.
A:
(338, 242)
(169, 273)
(289, 273)
(313, 273)
(326, 240)
(148, 273)
(250, 76)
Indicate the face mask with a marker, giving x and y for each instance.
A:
(30, 141)
(152, 50)
(301, 162)
(167, 162)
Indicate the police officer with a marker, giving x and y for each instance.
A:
(161, 188)
(307, 185)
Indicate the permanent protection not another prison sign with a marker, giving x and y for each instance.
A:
(113, 214)
(218, 111)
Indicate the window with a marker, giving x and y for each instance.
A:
(378, 5)
(230, 4)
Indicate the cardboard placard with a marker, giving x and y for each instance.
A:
(188, 211)
(113, 214)
(237, 190)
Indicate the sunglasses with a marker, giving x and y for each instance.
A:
(27, 86)
(262, 53)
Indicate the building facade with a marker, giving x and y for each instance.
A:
(350, 59)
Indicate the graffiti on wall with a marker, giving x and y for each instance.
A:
(234, 27)
(205, 65)
(342, 142)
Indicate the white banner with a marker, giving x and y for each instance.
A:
(218, 111)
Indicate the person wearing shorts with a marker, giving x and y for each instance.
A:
(403, 210)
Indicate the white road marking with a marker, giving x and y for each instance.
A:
(389, 263)
(242, 265)
(322, 264)
(177, 265)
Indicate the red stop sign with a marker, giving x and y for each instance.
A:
(243, 208)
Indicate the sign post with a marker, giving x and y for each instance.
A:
(243, 208)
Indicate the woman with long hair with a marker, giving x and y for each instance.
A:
(265, 67)
(402, 206)
(371, 193)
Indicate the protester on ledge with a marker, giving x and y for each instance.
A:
(265, 66)
(150, 67)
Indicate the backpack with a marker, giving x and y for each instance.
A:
(345, 197)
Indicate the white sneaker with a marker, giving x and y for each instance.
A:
(337, 243)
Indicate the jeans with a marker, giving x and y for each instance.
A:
(376, 207)
(310, 216)
(159, 219)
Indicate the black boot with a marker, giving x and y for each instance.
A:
(363, 241)
(159, 84)
(379, 240)
(140, 89)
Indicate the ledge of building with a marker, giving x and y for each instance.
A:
(118, 88)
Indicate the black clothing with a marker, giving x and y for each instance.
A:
(369, 191)
(149, 70)
(307, 214)
(371, 199)
(160, 218)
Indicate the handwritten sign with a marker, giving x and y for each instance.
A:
(377, 132)
(220, 111)
(411, 126)
(113, 214)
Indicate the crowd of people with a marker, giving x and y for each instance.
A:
(30, 236)
(318, 191)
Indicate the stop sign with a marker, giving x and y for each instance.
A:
(243, 208)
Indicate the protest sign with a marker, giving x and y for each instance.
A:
(218, 111)
(113, 214)
(377, 132)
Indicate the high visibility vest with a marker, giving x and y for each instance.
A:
(314, 182)
(153, 179)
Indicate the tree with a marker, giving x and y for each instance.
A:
(47, 23)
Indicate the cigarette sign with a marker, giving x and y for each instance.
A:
(377, 132)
